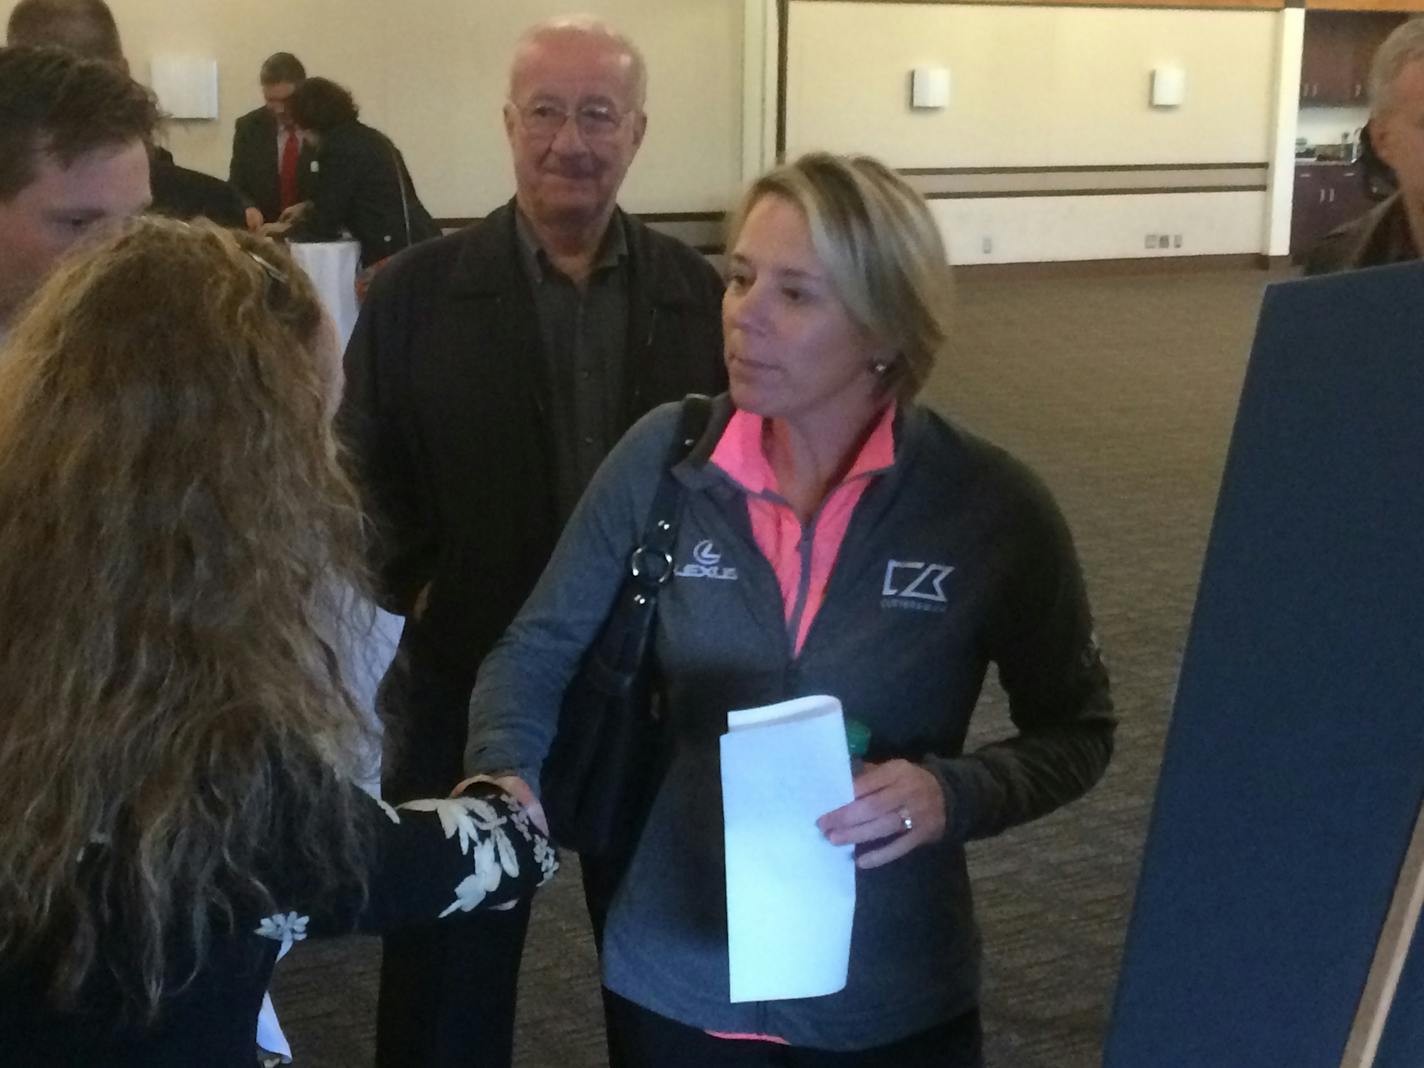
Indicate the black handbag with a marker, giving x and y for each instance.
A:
(601, 768)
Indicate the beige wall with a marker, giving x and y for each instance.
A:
(1031, 86)
(431, 74)
(1046, 87)
(1039, 229)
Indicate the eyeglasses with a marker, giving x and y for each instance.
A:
(596, 122)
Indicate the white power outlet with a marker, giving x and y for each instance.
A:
(1176, 240)
(1151, 241)
(986, 246)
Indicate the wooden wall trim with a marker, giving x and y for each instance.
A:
(1129, 265)
(1386, 6)
(783, 60)
(1083, 168)
(1214, 5)
(1106, 191)
(947, 183)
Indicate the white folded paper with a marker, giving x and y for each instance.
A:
(790, 893)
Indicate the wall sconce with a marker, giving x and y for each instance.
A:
(1169, 87)
(929, 87)
(186, 87)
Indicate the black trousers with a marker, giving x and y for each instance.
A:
(646, 1040)
(447, 989)
(448, 992)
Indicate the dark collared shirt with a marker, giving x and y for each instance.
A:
(585, 336)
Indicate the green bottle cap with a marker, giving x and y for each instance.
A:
(857, 737)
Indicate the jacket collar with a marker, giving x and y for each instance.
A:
(697, 472)
(1384, 236)
(488, 261)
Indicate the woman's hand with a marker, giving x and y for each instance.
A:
(898, 799)
(516, 788)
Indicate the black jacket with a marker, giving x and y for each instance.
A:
(1378, 237)
(361, 184)
(180, 193)
(446, 418)
(253, 171)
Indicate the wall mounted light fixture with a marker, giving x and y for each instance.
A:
(929, 87)
(186, 86)
(1169, 87)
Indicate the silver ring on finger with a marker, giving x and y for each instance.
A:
(905, 820)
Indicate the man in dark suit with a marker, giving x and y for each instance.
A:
(269, 158)
(490, 372)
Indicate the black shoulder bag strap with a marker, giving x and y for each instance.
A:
(650, 563)
(595, 780)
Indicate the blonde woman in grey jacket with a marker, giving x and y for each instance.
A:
(866, 548)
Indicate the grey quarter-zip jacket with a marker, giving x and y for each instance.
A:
(955, 557)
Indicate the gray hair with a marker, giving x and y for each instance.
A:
(591, 26)
(881, 249)
(1401, 48)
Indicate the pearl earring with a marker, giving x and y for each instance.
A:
(880, 367)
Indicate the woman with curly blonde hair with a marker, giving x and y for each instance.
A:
(177, 745)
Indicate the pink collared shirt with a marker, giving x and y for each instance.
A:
(787, 546)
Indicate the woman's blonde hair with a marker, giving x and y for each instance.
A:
(175, 530)
(881, 248)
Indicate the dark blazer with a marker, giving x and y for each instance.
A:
(446, 416)
(361, 184)
(1378, 237)
(181, 193)
(253, 170)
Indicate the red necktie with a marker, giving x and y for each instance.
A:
(291, 149)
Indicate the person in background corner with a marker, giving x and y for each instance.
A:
(360, 186)
(870, 550)
(490, 372)
(1393, 230)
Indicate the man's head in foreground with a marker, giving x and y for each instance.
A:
(74, 137)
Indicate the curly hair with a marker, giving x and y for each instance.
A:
(175, 535)
(319, 104)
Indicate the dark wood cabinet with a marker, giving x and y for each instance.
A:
(1326, 195)
(1338, 49)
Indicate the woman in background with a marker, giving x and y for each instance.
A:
(177, 746)
(361, 184)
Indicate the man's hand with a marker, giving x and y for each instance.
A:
(253, 218)
(296, 213)
(888, 796)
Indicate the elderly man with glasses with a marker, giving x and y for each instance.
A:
(489, 374)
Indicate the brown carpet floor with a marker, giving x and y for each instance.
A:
(1121, 391)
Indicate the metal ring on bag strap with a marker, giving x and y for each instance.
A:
(637, 565)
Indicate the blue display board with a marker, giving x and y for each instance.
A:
(1294, 766)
